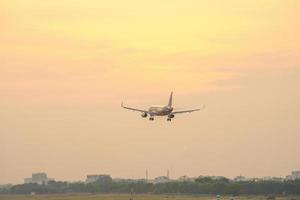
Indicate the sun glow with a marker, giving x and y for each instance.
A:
(174, 44)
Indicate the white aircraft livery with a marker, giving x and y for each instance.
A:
(167, 110)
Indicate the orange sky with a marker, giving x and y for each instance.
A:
(65, 65)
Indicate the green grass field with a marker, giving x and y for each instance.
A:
(135, 197)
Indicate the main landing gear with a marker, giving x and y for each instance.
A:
(151, 118)
(169, 119)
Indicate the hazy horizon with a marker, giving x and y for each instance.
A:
(66, 65)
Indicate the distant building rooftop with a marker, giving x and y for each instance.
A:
(295, 175)
(39, 178)
(98, 177)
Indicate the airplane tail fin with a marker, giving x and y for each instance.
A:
(170, 100)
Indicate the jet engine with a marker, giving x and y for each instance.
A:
(144, 115)
(171, 116)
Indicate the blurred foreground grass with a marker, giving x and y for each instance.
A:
(135, 197)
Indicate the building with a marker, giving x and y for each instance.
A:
(185, 179)
(288, 178)
(240, 178)
(272, 178)
(161, 179)
(28, 180)
(266, 178)
(295, 175)
(122, 180)
(39, 178)
(98, 177)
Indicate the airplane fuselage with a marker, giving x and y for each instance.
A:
(160, 110)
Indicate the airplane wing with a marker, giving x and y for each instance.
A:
(134, 109)
(187, 111)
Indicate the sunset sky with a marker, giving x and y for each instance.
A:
(65, 66)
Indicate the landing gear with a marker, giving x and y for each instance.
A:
(151, 118)
(169, 119)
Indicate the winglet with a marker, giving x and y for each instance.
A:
(122, 104)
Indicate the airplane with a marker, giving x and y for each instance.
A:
(167, 110)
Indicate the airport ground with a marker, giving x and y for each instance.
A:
(140, 197)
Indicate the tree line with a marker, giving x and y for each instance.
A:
(202, 185)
